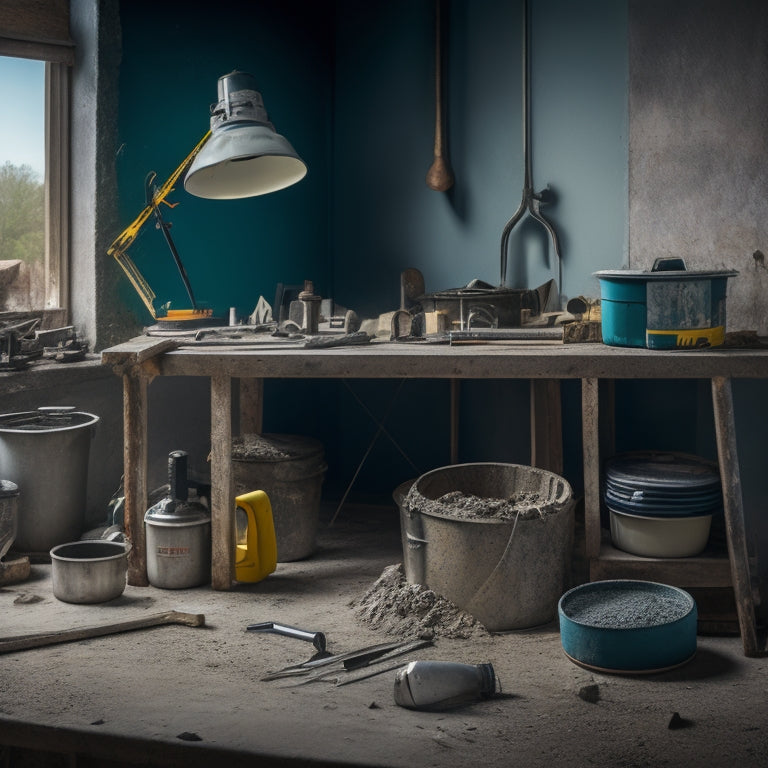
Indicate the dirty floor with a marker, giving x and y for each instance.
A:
(193, 696)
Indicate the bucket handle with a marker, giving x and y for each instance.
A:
(668, 264)
(484, 586)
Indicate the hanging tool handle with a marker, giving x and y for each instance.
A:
(316, 638)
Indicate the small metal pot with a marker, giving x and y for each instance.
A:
(89, 571)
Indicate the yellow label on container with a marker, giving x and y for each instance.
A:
(688, 337)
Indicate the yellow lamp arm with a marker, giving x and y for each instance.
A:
(128, 235)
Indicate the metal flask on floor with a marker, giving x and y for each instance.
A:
(439, 685)
(178, 534)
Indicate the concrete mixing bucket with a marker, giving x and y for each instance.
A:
(507, 572)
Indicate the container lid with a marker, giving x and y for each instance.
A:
(662, 483)
(170, 512)
(653, 507)
(8, 489)
(660, 469)
(46, 419)
(274, 447)
(646, 275)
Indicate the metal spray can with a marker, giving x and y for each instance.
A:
(436, 685)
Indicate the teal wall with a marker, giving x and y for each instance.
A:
(173, 55)
(350, 84)
(386, 218)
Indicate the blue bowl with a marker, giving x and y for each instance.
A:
(626, 626)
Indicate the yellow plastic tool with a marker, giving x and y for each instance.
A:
(256, 556)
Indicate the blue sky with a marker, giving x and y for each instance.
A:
(22, 123)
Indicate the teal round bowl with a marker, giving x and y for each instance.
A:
(627, 626)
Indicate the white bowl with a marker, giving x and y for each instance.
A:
(660, 536)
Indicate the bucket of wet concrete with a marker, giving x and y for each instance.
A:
(290, 469)
(496, 540)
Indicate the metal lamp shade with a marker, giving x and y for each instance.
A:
(243, 161)
(245, 156)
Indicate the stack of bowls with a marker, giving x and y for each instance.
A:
(661, 504)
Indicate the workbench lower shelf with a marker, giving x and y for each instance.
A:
(710, 569)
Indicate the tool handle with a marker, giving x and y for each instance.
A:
(316, 638)
(439, 175)
(40, 639)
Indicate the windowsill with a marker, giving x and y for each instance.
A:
(49, 318)
(44, 373)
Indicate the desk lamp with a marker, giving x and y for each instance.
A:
(240, 156)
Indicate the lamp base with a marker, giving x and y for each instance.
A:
(182, 319)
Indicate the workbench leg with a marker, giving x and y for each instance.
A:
(251, 406)
(222, 485)
(590, 429)
(135, 472)
(455, 410)
(730, 478)
(546, 425)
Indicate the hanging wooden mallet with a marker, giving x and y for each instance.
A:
(439, 175)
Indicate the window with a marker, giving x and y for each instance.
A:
(36, 55)
(22, 185)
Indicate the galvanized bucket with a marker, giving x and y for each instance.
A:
(45, 452)
(290, 469)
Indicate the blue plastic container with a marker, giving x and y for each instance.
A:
(663, 308)
(626, 626)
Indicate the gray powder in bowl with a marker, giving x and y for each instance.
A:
(627, 606)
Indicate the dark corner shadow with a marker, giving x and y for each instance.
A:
(129, 601)
(276, 584)
(705, 665)
(477, 706)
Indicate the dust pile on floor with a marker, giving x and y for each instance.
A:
(395, 607)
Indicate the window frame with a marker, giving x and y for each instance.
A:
(57, 177)
(41, 32)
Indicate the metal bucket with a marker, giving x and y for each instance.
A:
(45, 452)
(508, 573)
(290, 470)
(9, 501)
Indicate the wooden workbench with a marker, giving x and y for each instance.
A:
(544, 364)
